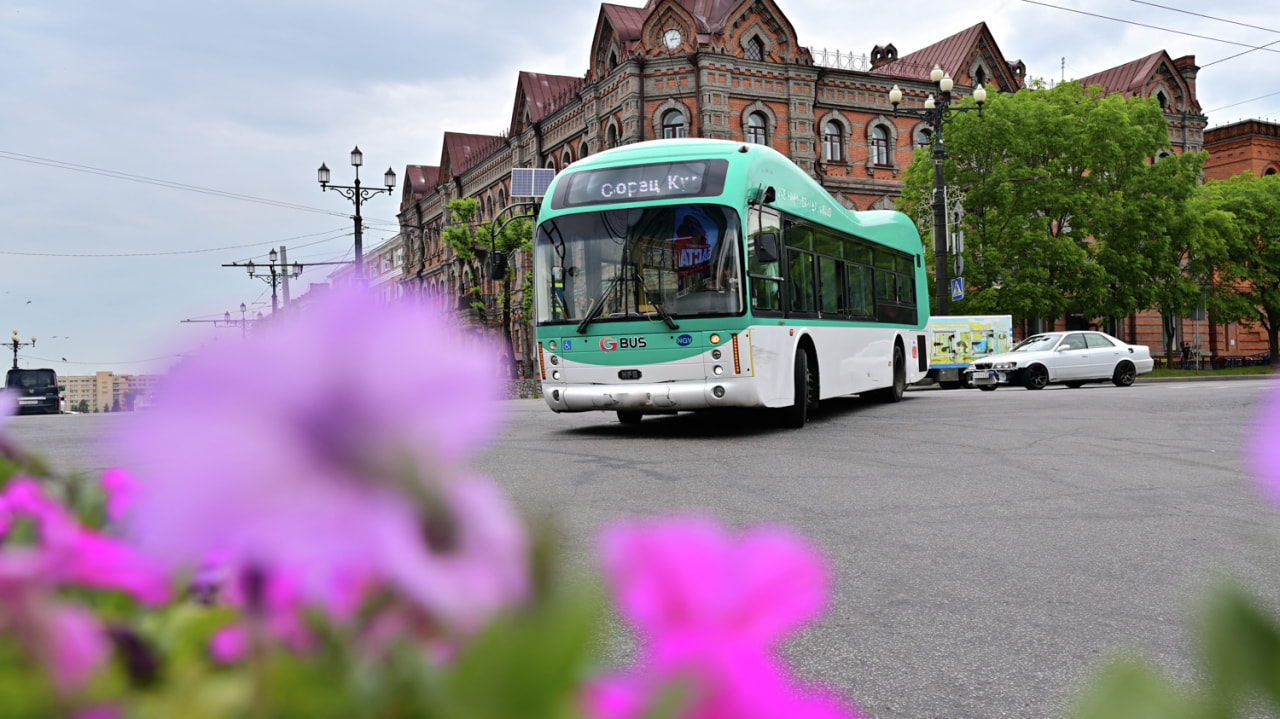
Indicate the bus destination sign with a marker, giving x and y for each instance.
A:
(641, 183)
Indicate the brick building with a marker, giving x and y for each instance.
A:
(1246, 146)
(738, 70)
(723, 69)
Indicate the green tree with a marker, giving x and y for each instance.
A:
(1058, 191)
(83, 406)
(514, 240)
(1246, 275)
(464, 236)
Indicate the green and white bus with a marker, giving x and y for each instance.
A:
(680, 275)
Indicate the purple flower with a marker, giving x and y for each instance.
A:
(121, 488)
(330, 445)
(1263, 447)
(712, 608)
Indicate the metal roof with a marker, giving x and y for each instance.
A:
(463, 151)
(948, 53)
(544, 93)
(1127, 79)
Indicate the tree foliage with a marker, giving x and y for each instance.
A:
(1243, 215)
(1063, 210)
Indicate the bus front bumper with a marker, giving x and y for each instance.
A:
(652, 397)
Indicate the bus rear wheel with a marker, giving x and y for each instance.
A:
(795, 416)
(894, 392)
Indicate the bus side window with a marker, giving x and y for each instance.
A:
(764, 278)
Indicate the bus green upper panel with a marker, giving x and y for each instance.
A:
(751, 169)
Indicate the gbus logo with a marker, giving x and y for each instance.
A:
(609, 344)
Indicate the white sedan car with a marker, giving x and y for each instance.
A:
(1071, 358)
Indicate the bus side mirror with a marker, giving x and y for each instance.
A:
(766, 248)
(498, 265)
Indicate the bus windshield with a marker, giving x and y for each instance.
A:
(659, 263)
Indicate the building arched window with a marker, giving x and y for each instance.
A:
(551, 163)
(1164, 101)
(673, 124)
(754, 49)
(502, 197)
(979, 77)
(566, 158)
(879, 145)
(923, 136)
(610, 137)
(1269, 171)
(757, 129)
(583, 150)
(613, 60)
(832, 142)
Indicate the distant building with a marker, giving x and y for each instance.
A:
(109, 392)
(1245, 146)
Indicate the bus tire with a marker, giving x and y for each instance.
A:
(795, 416)
(894, 392)
(629, 416)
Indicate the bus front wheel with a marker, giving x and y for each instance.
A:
(629, 417)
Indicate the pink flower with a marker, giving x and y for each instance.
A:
(711, 609)
(1263, 447)
(71, 554)
(122, 489)
(321, 446)
(66, 639)
(689, 574)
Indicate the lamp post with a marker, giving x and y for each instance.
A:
(358, 195)
(938, 113)
(275, 273)
(16, 343)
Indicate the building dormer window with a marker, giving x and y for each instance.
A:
(754, 49)
(980, 77)
(1164, 101)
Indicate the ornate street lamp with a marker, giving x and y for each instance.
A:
(357, 195)
(17, 343)
(938, 113)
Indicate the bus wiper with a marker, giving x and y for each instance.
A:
(657, 304)
(599, 306)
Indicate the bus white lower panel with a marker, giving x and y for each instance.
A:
(651, 397)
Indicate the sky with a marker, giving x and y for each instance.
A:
(144, 144)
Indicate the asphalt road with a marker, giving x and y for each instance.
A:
(989, 549)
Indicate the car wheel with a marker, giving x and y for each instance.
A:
(795, 416)
(966, 381)
(629, 417)
(1074, 385)
(1035, 377)
(1124, 375)
(987, 387)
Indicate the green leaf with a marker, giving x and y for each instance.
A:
(1129, 689)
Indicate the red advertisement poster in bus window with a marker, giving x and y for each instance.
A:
(696, 236)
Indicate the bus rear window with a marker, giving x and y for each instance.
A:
(641, 183)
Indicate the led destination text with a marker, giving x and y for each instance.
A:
(640, 183)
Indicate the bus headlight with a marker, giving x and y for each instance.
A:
(718, 391)
(555, 375)
(715, 354)
(717, 370)
(714, 338)
(555, 395)
(555, 359)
